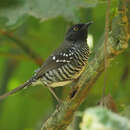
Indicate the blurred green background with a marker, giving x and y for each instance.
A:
(41, 25)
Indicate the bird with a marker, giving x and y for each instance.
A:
(67, 62)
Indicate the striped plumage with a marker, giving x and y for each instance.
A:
(70, 67)
(68, 61)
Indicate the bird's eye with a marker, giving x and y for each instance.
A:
(75, 28)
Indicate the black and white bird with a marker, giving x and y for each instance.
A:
(67, 62)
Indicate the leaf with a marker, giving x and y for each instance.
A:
(100, 118)
(14, 12)
(126, 112)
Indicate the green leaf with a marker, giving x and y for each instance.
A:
(100, 118)
(12, 12)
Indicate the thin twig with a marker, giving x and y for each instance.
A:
(37, 59)
(14, 56)
(105, 46)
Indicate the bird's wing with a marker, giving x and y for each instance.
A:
(58, 58)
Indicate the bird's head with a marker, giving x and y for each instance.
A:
(78, 32)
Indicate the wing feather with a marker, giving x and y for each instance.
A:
(62, 56)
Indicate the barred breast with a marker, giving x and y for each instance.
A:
(69, 71)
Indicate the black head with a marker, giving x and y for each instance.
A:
(78, 32)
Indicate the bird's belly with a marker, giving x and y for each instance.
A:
(67, 81)
(58, 84)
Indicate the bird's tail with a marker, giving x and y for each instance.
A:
(24, 85)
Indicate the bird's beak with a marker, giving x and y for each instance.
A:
(86, 25)
(89, 23)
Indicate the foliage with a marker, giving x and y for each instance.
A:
(15, 11)
(41, 25)
(100, 118)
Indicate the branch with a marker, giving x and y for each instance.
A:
(105, 45)
(14, 56)
(118, 42)
(37, 59)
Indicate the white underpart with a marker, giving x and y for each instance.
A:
(53, 57)
(90, 41)
(54, 84)
(58, 84)
(57, 60)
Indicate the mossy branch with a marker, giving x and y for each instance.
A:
(117, 43)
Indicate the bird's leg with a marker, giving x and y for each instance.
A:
(53, 93)
(74, 88)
